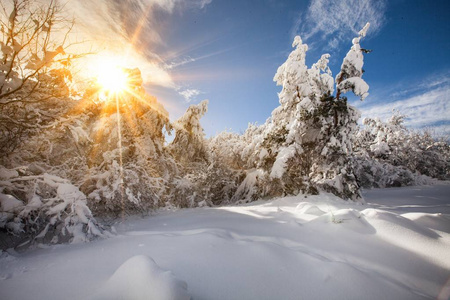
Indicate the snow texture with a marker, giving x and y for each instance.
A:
(140, 278)
(8, 206)
(319, 247)
(279, 166)
(357, 85)
(65, 212)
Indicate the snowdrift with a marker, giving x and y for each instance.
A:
(140, 278)
(314, 247)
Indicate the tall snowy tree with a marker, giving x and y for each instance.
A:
(189, 143)
(306, 144)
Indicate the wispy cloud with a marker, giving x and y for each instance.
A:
(203, 3)
(190, 94)
(427, 84)
(426, 105)
(332, 21)
(180, 62)
(422, 110)
(130, 29)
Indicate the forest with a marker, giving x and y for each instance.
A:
(78, 154)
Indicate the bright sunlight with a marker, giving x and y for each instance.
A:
(111, 77)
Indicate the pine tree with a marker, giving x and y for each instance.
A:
(306, 145)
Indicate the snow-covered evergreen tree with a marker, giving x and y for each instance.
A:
(306, 145)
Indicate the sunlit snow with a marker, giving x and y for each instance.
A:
(319, 247)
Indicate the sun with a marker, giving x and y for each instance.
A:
(110, 76)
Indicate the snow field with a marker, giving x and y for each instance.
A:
(319, 247)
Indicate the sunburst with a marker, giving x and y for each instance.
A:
(111, 78)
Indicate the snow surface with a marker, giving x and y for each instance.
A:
(319, 247)
(141, 278)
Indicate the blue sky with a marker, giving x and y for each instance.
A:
(228, 52)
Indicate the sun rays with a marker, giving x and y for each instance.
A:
(122, 100)
(111, 78)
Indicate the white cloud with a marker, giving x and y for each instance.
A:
(180, 62)
(325, 18)
(430, 109)
(190, 94)
(194, 3)
(431, 82)
(203, 3)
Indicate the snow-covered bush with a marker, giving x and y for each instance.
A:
(390, 154)
(43, 208)
(372, 173)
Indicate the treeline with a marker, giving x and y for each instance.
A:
(67, 156)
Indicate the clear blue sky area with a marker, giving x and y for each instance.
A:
(229, 51)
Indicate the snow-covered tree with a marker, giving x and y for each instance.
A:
(189, 143)
(120, 160)
(197, 182)
(34, 72)
(389, 154)
(306, 145)
(111, 151)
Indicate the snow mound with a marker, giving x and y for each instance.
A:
(398, 222)
(347, 219)
(306, 208)
(410, 235)
(141, 278)
(437, 221)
